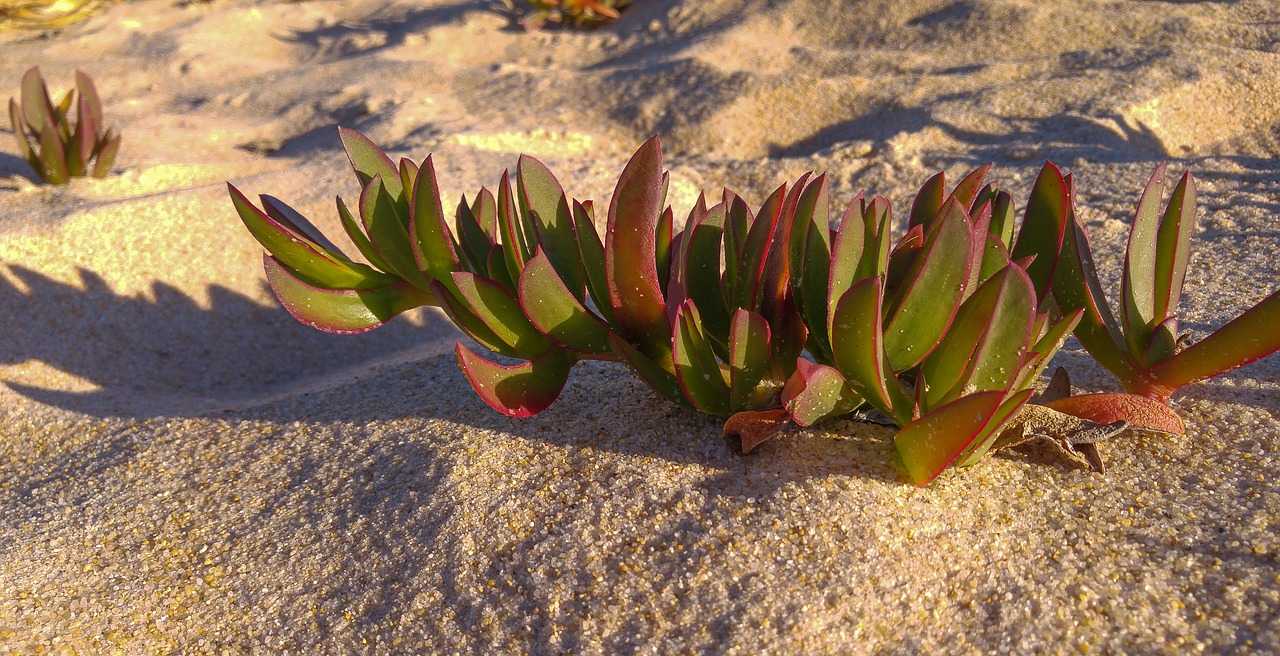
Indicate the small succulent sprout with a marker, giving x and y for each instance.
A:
(57, 147)
(579, 13)
(1141, 347)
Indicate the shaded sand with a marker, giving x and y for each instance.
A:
(184, 469)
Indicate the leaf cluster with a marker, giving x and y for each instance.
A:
(57, 147)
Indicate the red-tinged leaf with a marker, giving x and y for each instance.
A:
(521, 390)
(1137, 311)
(345, 310)
(702, 248)
(432, 242)
(1007, 411)
(472, 238)
(662, 239)
(967, 189)
(745, 431)
(298, 224)
(979, 221)
(497, 268)
(1249, 337)
(592, 252)
(661, 378)
(368, 161)
(1002, 218)
(811, 263)
(306, 258)
(930, 443)
(543, 204)
(755, 249)
(466, 321)
(515, 241)
(1076, 287)
(931, 293)
(994, 258)
(554, 310)
(696, 368)
(776, 298)
(1045, 347)
(630, 256)
(357, 236)
(106, 153)
(857, 343)
(408, 180)
(749, 340)
(53, 158)
(20, 133)
(388, 232)
(1173, 248)
(846, 255)
(90, 102)
(902, 258)
(485, 209)
(737, 223)
(1043, 226)
(825, 396)
(37, 109)
(928, 201)
(501, 313)
(1163, 343)
(1139, 411)
(876, 219)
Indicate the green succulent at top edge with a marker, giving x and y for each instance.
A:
(56, 147)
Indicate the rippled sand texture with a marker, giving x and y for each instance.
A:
(185, 469)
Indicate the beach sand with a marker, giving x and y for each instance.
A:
(185, 469)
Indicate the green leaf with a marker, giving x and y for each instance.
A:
(343, 310)
(928, 201)
(1043, 227)
(20, 134)
(748, 356)
(696, 368)
(1002, 218)
(368, 161)
(554, 310)
(592, 252)
(515, 246)
(1137, 314)
(846, 255)
(1007, 411)
(1173, 248)
(501, 313)
(857, 343)
(755, 248)
(485, 209)
(37, 109)
(1045, 347)
(472, 238)
(301, 255)
(432, 243)
(544, 205)
(52, 157)
(931, 293)
(930, 443)
(702, 270)
(385, 225)
(966, 190)
(521, 390)
(90, 102)
(662, 245)
(467, 321)
(108, 148)
(1076, 287)
(630, 258)
(876, 219)
(811, 262)
(825, 395)
(356, 234)
(1249, 337)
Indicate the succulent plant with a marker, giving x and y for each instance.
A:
(55, 146)
(581, 13)
(1143, 348)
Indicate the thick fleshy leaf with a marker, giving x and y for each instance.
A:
(967, 190)
(108, 148)
(811, 262)
(386, 226)
(20, 134)
(1173, 248)
(37, 109)
(408, 180)
(1003, 416)
(748, 355)
(1002, 218)
(931, 293)
(755, 248)
(92, 102)
(702, 249)
(1137, 311)
(294, 221)
(301, 255)
(53, 158)
(745, 430)
(83, 140)
(521, 390)
(501, 312)
(344, 310)
(485, 209)
(877, 216)
(930, 443)
(515, 245)
(857, 342)
(554, 310)
(825, 395)
(846, 255)
(1043, 226)
(928, 201)
(630, 258)
(356, 234)
(1163, 342)
(1076, 287)
(737, 225)
(544, 205)
(1249, 337)
(902, 258)
(368, 161)
(432, 242)
(696, 368)
(1045, 347)
(650, 371)
(592, 252)
(1139, 411)
(472, 238)
(662, 247)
